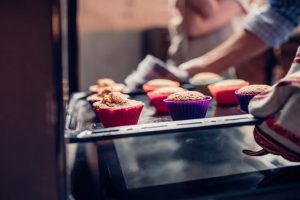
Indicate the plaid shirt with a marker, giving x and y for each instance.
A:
(275, 23)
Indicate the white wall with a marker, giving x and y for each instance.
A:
(109, 36)
(108, 54)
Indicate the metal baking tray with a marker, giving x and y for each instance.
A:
(82, 124)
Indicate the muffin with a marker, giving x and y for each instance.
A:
(245, 94)
(158, 83)
(187, 105)
(99, 95)
(107, 82)
(157, 96)
(115, 109)
(224, 91)
(202, 80)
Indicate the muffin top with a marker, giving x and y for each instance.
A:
(104, 82)
(104, 91)
(168, 90)
(186, 96)
(205, 77)
(117, 87)
(115, 100)
(94, 97)
(94, 88)
(101, 92)
(253, 89)
(230, 82)
(162, 82)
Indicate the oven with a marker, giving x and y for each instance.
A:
(70, 155)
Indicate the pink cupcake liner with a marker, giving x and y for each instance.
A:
(181, 110)
(111, 117)
(149, 88)
(224, 95)
(244, 100)
(157, 100)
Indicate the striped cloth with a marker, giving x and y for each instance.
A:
(275, 23)
(280, 106)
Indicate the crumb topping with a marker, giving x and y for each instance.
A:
(115, 100)
(104, 82)
(104, 91)
(94, 97)
(205, 76)
(186, 96)
(253, 89)
(94, 88)
(168, 90)
(162, 82)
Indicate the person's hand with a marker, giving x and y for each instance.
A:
(153, 68)
(279, 107)
(193, 66)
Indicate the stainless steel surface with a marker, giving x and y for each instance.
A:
(82, 124)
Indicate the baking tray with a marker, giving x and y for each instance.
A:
(82, 124)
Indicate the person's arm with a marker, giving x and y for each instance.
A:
(234, 51)
(268, 28)
(205, 16)
(205, 8)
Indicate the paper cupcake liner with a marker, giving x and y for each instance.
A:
(111, 117)
(181, 110)
(157, 100)
(225, 96)
(244, 100)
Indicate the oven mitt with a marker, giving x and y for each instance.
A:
(280, 108)
(153, 68)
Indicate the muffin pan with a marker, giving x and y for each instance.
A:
(82, 124)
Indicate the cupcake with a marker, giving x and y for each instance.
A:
(187, 105)
(157, 96)
(246, 93)
(158, 83)
(223, 91)
(116, 110)
(99, 95)
(202, 80)
(107, 82)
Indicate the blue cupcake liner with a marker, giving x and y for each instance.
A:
(244, 100)
(182, 110)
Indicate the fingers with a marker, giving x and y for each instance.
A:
(191, 68)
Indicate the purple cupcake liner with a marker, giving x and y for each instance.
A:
(181, 110)
(244, 100)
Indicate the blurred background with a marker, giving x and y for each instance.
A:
(115, 35)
